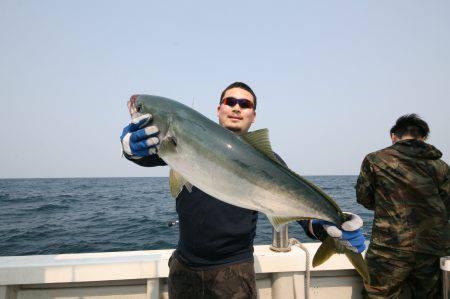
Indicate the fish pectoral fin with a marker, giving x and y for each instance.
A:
(168, 144)
(329, 247)
(278, 221)
(177, 182)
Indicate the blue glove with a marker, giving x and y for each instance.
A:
(350, 236)
(138, 140)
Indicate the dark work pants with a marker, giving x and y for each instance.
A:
(229, 281)
(391, 269)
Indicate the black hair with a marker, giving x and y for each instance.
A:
(412, 125)
(241, 86)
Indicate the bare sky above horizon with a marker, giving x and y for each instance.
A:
(331, 77)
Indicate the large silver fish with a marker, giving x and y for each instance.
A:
(239, 170)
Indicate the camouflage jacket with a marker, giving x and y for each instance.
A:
(407, 186)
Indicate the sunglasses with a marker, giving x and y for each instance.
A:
(243, 103)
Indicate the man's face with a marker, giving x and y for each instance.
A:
(235, 118)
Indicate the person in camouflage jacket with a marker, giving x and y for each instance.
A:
(407, 186)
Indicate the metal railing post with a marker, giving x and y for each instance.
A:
(280, 240)
(445, 267)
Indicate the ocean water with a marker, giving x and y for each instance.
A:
(52, 216)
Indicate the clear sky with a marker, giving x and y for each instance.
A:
(331, 76)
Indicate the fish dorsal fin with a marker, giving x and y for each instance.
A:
(177, 182)
(259, 139)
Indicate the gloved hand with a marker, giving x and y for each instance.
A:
(351, 234)
(137, 141)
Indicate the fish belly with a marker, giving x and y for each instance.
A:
(226, 185)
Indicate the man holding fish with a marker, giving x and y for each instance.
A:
(220, 180)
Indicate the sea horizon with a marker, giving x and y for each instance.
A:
(102, 214)
(124, 177)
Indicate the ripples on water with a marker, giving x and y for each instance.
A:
(50, 216)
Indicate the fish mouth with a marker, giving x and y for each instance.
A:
(133, 108)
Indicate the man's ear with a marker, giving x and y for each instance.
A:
(394, 138)
(254, 116)
(217, 113)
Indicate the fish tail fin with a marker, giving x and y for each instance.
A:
(329, 247)
(359, 263)
(325, 251)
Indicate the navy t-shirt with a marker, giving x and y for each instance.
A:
(213, 232)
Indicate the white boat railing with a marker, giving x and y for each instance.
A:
(143, 274)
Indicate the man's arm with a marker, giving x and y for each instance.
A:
(365, 186)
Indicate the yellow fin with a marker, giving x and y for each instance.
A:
(329, 247)
(259, 139)
(279, 221)
(325, 251)
(176, 183)
(360, 265)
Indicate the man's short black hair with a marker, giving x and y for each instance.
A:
(412, 125)
(242, 86)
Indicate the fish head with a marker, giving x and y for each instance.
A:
(133, 108)
(161, 111)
